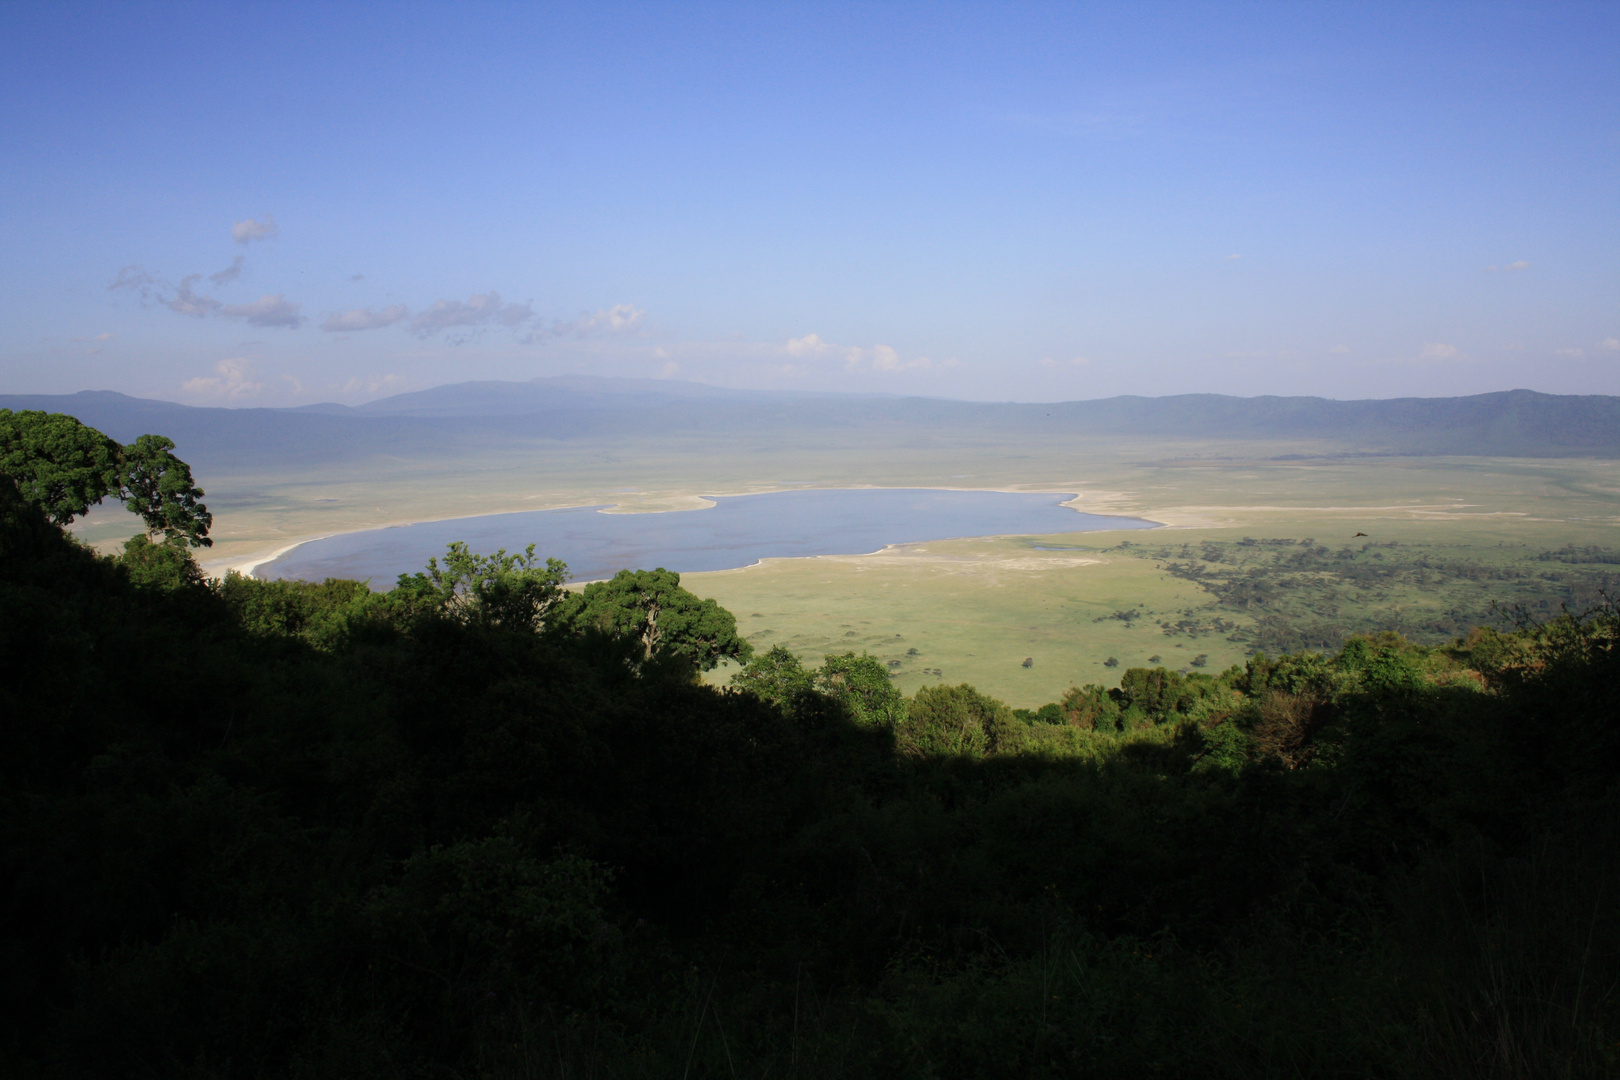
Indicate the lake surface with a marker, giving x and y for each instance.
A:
(738, 530)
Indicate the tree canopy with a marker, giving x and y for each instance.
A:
(60, 465)
(269, 828)
(514, 591)
(65, 467)
(652, 606)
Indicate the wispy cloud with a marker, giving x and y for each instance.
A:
(245, 232)
(134, 279)
(267, 311)
(1435, 350)
(1075, 361)
(1519, 265)
(481, 309)
(1340, 350)
(873, 358)
(1575, 354)
(615, 321)
(371, 384)
(234, 381)
(365, 318)
(1610, 344)
(230, 273)
(187, 302)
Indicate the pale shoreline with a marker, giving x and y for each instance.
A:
(247, 566)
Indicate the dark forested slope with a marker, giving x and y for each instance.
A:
(473, 828)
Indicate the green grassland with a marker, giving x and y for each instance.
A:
(1468, 531)
(1449, 543)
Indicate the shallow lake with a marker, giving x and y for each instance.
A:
(738, 530)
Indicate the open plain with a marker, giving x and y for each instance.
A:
(972, 610)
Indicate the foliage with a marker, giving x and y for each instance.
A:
(319, 614)
(59, 464)
(861, 684)
(947, 721)
(776, 676)
(159, 566)
(313, 830)
(65, 467)
(157, 486)
(651, 605)
(1286, 595)
(514, 591)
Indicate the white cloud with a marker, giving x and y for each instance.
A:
(1575, 353)
(809, 345)
(1520, 265)
(618, 319)
(668, 371)
(1339, 350)
(858, 358)
(1434, 350)
(479, 310)
(1077, 361)
(884, 358)
(267, 310)
(230, 273)
(235, 380)
(1610, 344)
(245, 232)
(365, 318)
(1231, 258)
(881, 358)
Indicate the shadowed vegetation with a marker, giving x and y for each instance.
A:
(467, 828)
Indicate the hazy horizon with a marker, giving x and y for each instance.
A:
(650, 384)
(249, 205)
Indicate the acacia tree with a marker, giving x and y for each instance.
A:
(65, 467)
(651, 606)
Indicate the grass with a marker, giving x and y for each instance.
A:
(972, 610)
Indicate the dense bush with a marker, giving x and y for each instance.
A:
(282, 829)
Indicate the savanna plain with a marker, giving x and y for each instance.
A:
(1428, 546)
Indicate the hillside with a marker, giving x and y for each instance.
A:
(489, 415)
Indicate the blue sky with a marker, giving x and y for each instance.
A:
(282, 203)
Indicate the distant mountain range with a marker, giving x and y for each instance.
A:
(1515, 423)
